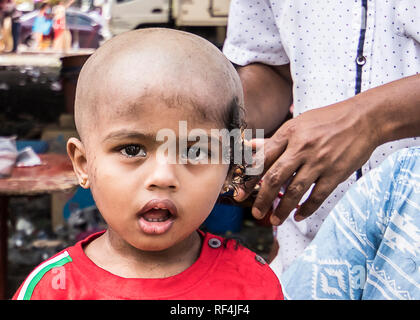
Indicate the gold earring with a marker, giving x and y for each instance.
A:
(84, 182)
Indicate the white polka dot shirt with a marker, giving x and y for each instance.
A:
(336, 49)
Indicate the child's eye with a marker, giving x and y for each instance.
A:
(133, 150)
(196, 154)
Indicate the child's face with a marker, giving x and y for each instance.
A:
(124, 174)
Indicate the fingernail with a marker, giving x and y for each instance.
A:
(256, 213)
(298, 218)
(238, 194)
(275, 220)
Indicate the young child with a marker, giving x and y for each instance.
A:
(42, 25)
(132, 87)
(62, 36)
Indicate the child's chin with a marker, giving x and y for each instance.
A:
(154, 245)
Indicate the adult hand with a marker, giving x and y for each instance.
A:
(322, 147)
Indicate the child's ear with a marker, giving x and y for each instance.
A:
(77, 154)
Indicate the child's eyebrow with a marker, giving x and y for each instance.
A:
(136, 135)
(128, 134)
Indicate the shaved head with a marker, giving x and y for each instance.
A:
(179, 68)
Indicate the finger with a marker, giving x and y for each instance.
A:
(298, 186)
(239, 195)
(257, 169)
(243, 192)
(269, 149)
(273, 180)
(319, 194)
(255, 143)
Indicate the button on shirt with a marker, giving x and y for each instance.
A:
(336, 49)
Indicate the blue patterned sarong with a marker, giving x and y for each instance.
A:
(369, 246)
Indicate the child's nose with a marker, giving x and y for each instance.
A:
(162, 176)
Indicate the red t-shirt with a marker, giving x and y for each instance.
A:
(223, 271)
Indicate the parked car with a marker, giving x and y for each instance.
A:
(84, 29)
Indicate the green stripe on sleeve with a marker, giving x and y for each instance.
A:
(41, 273)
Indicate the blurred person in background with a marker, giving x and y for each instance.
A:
(6, 38)
(16, 14)
(42, 25)
(62, 36)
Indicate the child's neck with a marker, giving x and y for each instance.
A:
(116, 256)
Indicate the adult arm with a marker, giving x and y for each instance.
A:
(268, 95)
(254, 45)
(326, 145)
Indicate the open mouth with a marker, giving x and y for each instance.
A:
(157, 216)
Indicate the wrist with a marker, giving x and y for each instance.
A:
(369, 116)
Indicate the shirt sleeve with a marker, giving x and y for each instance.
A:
(335, 264)
(407, 19)
(253, 35)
